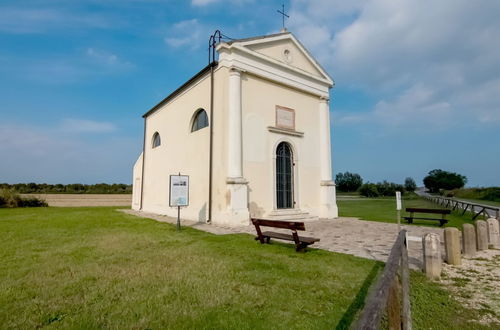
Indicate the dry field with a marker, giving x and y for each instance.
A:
(68, 200)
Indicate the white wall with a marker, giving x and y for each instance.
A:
(136, 184)
(297, 59)
(187, 152)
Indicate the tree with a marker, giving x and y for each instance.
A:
(439, 179)
(348, 181)
(410, 184)
(369, 190)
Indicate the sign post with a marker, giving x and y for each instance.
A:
(398, 208)
(179, 194)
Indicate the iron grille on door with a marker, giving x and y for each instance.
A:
(284, 176)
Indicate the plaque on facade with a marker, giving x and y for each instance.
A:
(285, 118)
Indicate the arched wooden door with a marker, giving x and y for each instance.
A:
(284, 176)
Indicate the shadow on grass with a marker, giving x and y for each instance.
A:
(359, 301)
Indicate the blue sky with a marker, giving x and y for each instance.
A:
(417, 82)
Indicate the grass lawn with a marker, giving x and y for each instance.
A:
(97, 267)
(100, 268)
(348, 194)
(384, 209)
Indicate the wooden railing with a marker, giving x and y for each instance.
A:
(390, 295)
(464, 206)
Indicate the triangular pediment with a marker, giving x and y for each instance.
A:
(286, 49)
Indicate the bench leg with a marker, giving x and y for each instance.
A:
(261, 240)
(268, 239)
(441, 223)
(300, 247)
(410, 220)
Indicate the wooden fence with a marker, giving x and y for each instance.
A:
(464, 206)
(390, 295)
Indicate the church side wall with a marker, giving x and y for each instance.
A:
(219, 188)
(260, 98)
(180, 151)
(136, 184)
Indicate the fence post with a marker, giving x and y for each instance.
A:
(431, 247)
(493, 233)
(482, 235)
(452, 246)
(469, 240)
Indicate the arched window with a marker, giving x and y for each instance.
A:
(156, 140)
(200, 120)
(284, 176)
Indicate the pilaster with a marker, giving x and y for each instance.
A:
(237, 189)
(234, 155)
(328, 200)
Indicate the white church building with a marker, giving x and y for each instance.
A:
(252, 132)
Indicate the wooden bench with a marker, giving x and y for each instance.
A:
(301, 242)
(441, 220)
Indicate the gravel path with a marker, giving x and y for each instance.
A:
(367, 239)
(476, 283)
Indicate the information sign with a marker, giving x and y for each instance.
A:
(179, 190)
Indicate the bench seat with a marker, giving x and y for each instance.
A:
(410, 218)
(441, 220)
(301, 242)
(289, 237)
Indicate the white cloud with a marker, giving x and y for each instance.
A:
(86, 126)
(188, 33)
(102, 56)
(68, 68)
(417, 104)
(348, 118)
(107, 59)
(50, 154)
(40, 20)
(203, 2)
(48, 70)
(434, 60)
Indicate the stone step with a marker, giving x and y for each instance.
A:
(291, 215)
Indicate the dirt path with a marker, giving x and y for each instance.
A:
(69, 200)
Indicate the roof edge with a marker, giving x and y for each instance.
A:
(281, 36)
(257, 37)
(181, 88)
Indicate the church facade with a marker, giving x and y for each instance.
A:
(252, 132)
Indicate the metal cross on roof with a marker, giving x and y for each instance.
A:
(282, 12)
